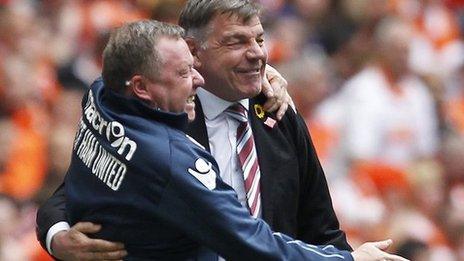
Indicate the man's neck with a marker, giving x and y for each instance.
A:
(213, 105)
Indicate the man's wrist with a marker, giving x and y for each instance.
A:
(58, 227)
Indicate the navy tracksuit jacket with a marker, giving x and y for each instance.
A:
(135, 171)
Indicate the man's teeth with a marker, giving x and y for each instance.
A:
(191, 98)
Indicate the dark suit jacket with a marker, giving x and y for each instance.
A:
(295, 196)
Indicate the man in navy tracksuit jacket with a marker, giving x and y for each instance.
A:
(161, 195)
(134, 170)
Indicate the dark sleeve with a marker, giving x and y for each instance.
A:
(207, 211)
(50, 213)
(317, 222)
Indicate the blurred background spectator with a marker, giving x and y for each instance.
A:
(380, 84)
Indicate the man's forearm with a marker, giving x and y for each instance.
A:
(50, 214)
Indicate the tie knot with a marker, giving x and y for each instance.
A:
(238, 112)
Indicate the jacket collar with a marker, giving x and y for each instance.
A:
(105, 97)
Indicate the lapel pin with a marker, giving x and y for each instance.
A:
(270, 122)
(259, 111)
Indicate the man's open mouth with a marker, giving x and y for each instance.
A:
(191, 99)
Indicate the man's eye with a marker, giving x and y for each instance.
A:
(234, 43)
(185, 73)
(260, 41)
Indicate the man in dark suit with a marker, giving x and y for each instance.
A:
(226, 39)
(288, 188)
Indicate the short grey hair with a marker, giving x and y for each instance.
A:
(197, 14)
(131, 50)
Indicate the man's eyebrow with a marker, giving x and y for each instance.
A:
(235, 35)
(240, 35)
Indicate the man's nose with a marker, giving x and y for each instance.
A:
(198, 80)
(256, 51)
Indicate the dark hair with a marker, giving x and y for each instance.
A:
(131, 50)
(197, 14)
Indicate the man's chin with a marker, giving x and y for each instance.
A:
(254, 91)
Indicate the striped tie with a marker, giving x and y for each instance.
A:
(248, 158)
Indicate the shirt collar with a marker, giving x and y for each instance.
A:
(213, 106)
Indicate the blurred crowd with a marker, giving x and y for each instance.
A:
(380, 84)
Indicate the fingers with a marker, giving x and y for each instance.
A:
(275, 102)
(281, 112)
(267, 88)
(284, 104)
(382, 245)
(272, 104)
(375, 251)
(87, 227)
(114, 255)
(112, 249)
(99, 245)
(275, 79)
(76, 245)
(395, 258)
(104, 250)
(275, 89)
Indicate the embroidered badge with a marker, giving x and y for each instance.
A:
(204, 173)
(259, 111)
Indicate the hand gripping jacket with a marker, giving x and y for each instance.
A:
(135, 171)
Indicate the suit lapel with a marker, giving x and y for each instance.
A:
(261, 135)
(197, 128)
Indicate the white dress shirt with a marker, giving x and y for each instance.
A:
(60, 226)
(222, 137)
(222, 131)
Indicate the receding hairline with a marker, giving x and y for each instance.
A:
(239, 34)
(162, 53)
(193, 18)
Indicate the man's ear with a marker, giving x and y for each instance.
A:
(137, 85)
(194, 47)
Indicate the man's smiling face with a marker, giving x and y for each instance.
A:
(233, 57)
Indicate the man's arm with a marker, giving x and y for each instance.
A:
(65, 243)
(207, 210)
(317, 222)
(50, 213)
(74, 244)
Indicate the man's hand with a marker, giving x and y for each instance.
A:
(75, 245)
(275, 89)
(374, 251)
